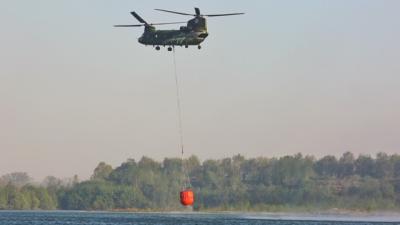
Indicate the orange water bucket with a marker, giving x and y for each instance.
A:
(187, 197)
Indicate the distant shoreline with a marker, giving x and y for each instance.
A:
(290, 184)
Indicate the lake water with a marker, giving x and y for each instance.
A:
(105, 218)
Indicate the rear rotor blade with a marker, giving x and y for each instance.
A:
(136, 25)
(197, 10)
(180, 13)
(226, 14)
(140, 19)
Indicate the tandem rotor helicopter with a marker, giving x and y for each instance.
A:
(194, 33)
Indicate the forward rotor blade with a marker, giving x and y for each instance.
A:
(180, 13)
(151, 24)
(140, 19)
(226, 14)
(167, 23)
(137, 25)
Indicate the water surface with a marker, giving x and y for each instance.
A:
(107, 218)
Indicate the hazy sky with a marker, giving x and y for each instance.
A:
(317, 77)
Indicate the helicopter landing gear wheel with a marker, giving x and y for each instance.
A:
(170, 49)
(199, 47)
(158, 48)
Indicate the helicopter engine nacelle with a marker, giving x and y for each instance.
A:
(197, 24)
(183, 28)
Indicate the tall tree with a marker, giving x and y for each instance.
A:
(326, 166)
(102, 171)
(346, 165)
(365, 166)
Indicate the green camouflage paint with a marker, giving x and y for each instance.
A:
(193, 34)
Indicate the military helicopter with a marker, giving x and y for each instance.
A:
(194, 33)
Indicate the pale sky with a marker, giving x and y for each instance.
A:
(316, 77)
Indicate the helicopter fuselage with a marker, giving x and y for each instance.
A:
(173, 37)
(193, 34)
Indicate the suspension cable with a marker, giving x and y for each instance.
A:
(179, 107)
(186, 179)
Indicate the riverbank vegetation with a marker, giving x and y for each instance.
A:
(261, 184)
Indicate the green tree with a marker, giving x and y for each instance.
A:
(326, 166)
(125, 174)
(346, 165)
(3, 199)
(383, 166)
(102, 171)
(365, 166)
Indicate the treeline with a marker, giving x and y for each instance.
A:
(27, 197)
(273, 184)
(19, 192)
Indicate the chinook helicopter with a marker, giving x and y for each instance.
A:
(194, 33)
